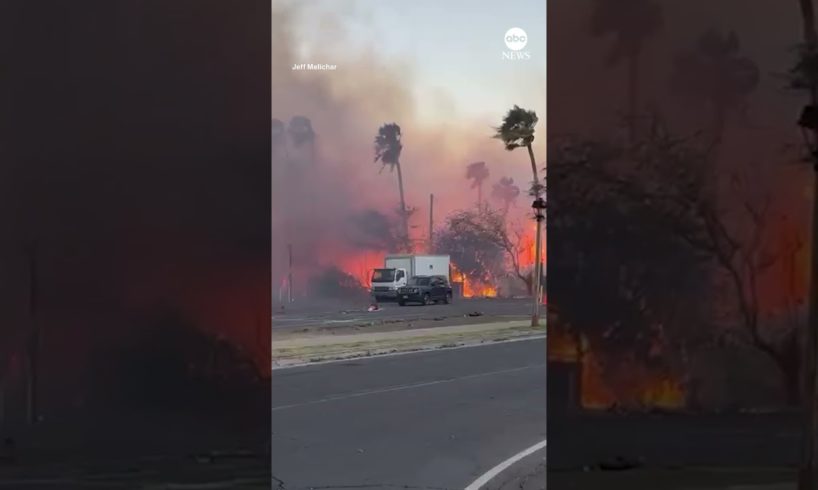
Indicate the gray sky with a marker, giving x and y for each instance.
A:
(452, 48)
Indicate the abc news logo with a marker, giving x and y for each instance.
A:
(516, 39)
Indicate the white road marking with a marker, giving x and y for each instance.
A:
(412, 386)
(489, 475)
(421, 350)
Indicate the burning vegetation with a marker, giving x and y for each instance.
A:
(615, 381)
(651, 268)
(696, 221)
(484, 253)
(486, 250)
(354, 165)
(472, 289)
(487, 244)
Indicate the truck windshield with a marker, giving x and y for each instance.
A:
(420, 281)
(383, 275)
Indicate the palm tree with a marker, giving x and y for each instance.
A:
(716, 73)
(388, 148)
(804, 76)
(478, 172)
(517, 131)
(507, 192)
(301, 134)
(631, 23)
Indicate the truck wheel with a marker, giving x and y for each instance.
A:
(427, 299)
(448, 299)
(401, 303)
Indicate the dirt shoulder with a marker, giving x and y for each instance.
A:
(342, 327)
(304, 349)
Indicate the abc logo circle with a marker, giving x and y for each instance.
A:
(516, 39)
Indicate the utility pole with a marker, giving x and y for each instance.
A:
(33, 340)
(290, 274)
(431, 222)
(808, 472)
(808, 478)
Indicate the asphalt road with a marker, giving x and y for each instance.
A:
(680, 440)
(673, 451)
(424, 420)
(335, 313)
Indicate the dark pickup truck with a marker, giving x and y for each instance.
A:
(426, 290)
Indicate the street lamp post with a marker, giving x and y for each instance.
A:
(539, 208)
(808, 478)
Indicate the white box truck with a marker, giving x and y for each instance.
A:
(397, 269)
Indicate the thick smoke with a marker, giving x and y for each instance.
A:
(764, 134)
(760, 144)
(758, 152)
(333, 201)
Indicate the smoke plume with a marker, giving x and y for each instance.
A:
(334, 202)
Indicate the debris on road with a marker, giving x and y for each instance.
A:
(449, 346)
(374, 307)
(475, 313)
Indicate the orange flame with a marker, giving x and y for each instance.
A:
(361, 264)
(601, 389)
(639, 388)
(471, 288)
(528, 247)
(784, 284)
